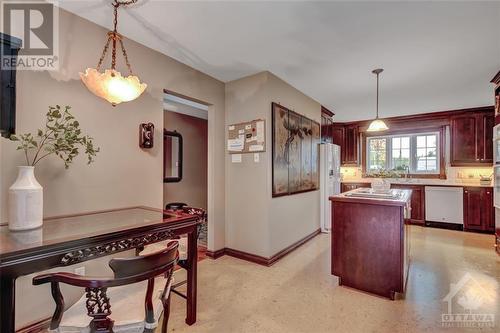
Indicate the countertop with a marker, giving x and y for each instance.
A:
(423, 181)
(401, 200)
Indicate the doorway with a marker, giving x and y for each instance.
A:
(186, 154)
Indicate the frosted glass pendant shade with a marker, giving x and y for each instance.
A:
(112, 86)
(377, 125)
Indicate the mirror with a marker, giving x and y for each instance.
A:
(172, 157)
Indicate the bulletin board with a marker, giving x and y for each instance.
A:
(247, 137)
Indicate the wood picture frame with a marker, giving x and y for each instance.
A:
(295, 152)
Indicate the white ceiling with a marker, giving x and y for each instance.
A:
(436, 55)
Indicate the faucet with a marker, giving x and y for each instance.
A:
(407, 173)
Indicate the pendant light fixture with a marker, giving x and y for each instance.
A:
(110, 84)
(377, 125)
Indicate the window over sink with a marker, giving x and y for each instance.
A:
(415, 153)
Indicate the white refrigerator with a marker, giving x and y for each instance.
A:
(329, 177)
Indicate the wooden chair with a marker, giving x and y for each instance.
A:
(177, 206)
(129, 282)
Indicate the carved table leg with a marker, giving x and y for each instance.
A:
(192, 276)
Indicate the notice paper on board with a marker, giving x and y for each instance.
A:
(236, 144)
(247, 137)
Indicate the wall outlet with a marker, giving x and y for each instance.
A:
(80, 270)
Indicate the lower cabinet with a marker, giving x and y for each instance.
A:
(478, 209)
(417, 202)
(344, 187)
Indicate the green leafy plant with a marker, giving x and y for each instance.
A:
(61, 137)
(384, 173)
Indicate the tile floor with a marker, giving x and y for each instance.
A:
(298, 294)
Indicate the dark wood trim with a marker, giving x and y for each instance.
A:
(215, 254)
(292, 247)
(442, 149)
(247, 256)
(431, 116)
(326, 112)
(496, 78)
(259, 259)
(36, 327)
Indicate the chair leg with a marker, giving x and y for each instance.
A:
(166, 314)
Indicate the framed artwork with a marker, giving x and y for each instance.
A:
(295, 140)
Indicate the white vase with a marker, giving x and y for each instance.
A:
(25, 201)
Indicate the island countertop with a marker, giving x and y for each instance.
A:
(401, 199)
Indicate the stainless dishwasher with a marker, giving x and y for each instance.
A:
(444, 204)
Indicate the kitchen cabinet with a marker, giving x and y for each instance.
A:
(338, 139)
(478, 209)
(326, 125)
(344, 187)
(351, 143)
(472, 139)
(347, 137)
(417, 202)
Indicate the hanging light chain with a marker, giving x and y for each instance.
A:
(114, 36)
(103, 55)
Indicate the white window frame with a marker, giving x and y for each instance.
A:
(413, 151)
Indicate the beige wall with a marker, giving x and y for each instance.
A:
(257, 223)
(192, 189)
(123, 174)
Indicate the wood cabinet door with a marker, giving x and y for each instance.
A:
(338, 139)
(473, 208)
(351, 145)
(417, 202)
(464, 140)
(326, 130)
(486, 138)
(488, 216)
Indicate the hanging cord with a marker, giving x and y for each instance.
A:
(377, 94)
(114, 36)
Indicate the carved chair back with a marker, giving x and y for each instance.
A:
(126, 271)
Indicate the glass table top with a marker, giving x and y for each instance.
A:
(69, 228)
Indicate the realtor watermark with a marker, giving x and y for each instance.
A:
(36, 24)
(465, 301)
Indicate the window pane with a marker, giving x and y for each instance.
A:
(396, 143)
(405, 153)
(431, 164)
(396, 153)
(420, 141)
(421, 152)
(405, 142)
(431, 140)
(421, 165)
(431, 152)
(377, 144)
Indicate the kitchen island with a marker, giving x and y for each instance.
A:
(370, 240)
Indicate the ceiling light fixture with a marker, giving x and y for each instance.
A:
(111, 85)
(377, 125)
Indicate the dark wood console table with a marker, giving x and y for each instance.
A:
(68, 240)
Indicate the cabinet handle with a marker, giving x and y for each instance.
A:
(466, 191)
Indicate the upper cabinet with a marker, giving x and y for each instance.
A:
(326, 125)
(472, 139)
(347, 137)
(496, 82)
(351, 143)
